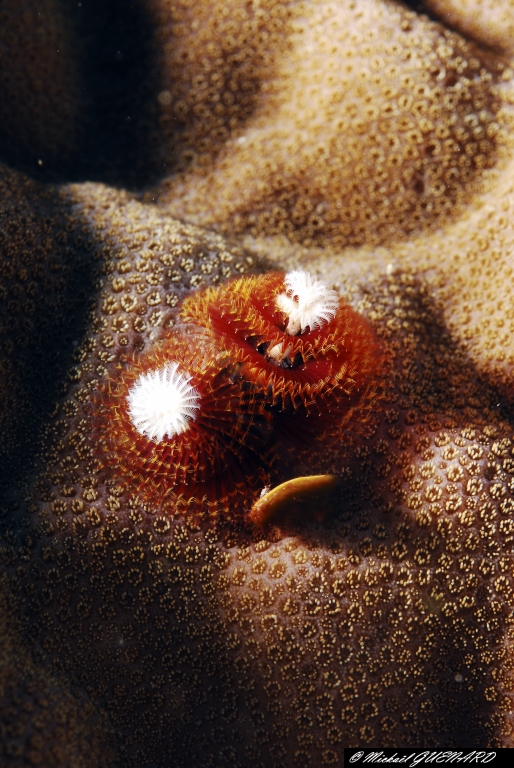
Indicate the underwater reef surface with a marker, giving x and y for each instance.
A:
(150, 149)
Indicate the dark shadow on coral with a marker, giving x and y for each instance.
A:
(123, 80)
(175, 670)
(49, 265)
(102, 124)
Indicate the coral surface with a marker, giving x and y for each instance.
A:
(183, 145)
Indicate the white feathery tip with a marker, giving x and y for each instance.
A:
(162, 403)
(307, 302)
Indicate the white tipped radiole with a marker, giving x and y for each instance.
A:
(307, 302)
(163, 402)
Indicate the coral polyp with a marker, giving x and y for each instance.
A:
(192, 434)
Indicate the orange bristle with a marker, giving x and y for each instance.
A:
(330, 375)
(224, 457)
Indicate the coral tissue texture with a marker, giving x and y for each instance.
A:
(489, 22)
(153, 150)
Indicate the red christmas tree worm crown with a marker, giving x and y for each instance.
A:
(315, 358)
(184, 425)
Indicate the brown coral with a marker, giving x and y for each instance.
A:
(46, 280)
(390, 148)
(488, 22)
(43, 722)
(421, 549)
(147, 551)
(390, 625)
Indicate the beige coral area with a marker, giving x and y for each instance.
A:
(46, 275)
(214, 61)
(348, 143)
(374, 147)
(469, 268)
(473, 267)
(490, 23)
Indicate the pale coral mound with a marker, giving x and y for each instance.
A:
(475, 280)
(348, 141)
(490, 22)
